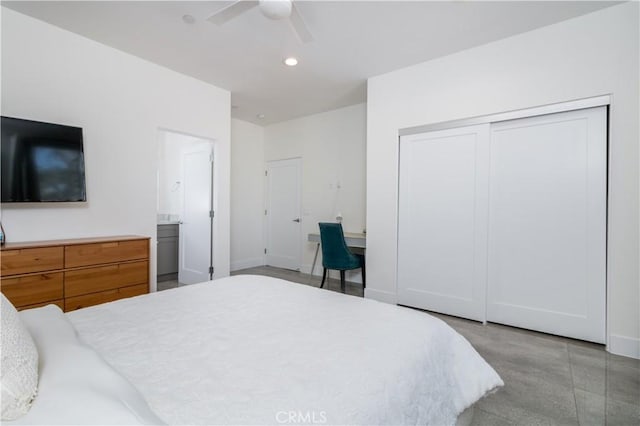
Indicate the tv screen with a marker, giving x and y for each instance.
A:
(41, 162)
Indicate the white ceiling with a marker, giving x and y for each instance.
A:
(352, 41)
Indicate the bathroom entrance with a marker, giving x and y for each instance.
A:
(185, 209)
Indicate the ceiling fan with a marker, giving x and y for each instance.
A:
(272, 9)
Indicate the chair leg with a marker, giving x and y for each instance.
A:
(324, 276)
(342, 281)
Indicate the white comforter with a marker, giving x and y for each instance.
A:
(258, 350)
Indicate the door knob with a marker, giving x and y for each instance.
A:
(297, 220)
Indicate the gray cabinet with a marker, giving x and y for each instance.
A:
(167, 265)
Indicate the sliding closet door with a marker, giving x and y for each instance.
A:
(442, 227)
(547, 224)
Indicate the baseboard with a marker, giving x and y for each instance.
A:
(625, 346)
(305, 269)
(246, 263)
(380, 296)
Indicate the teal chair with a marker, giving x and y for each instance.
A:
(336, 255)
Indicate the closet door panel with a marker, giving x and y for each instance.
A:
(547, 225)
(443, 221)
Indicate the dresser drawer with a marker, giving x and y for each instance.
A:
(101, 278)
(134, 290)
(33, 289)
(24, 261)
(59, 303)
(84, 301)
(108, 252)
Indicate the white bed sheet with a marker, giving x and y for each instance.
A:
(258, 350)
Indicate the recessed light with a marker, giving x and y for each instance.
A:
(291, 62)
(260, 116)
(188, 19)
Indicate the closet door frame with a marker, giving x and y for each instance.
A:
(583, 103)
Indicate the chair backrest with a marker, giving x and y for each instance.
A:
(335, 253)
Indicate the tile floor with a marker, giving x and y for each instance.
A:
(166, 285)
(549, 380)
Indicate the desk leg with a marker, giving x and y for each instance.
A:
(313, 265)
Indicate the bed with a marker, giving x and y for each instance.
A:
(254, 350)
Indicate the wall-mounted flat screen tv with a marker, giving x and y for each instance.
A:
(41, 162)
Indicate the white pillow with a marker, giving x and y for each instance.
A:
(19, 368)
(77, 387)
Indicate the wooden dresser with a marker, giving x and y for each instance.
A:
(74, 274)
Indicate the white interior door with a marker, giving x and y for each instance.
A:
(442, 233)
(196, 222)
(547, 226)
(283, 213)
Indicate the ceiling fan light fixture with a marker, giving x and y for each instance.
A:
(275, 9)
(290, 61)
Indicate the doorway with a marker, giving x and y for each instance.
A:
(185, 209)
(284, 186)
(505, 222)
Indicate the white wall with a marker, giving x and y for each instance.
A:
(332, 146)
(587, 56)
(247, 195)
(120, 101)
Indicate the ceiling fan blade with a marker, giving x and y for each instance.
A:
(299, 25)
(234, 9)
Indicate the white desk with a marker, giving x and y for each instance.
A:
(353, 240)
